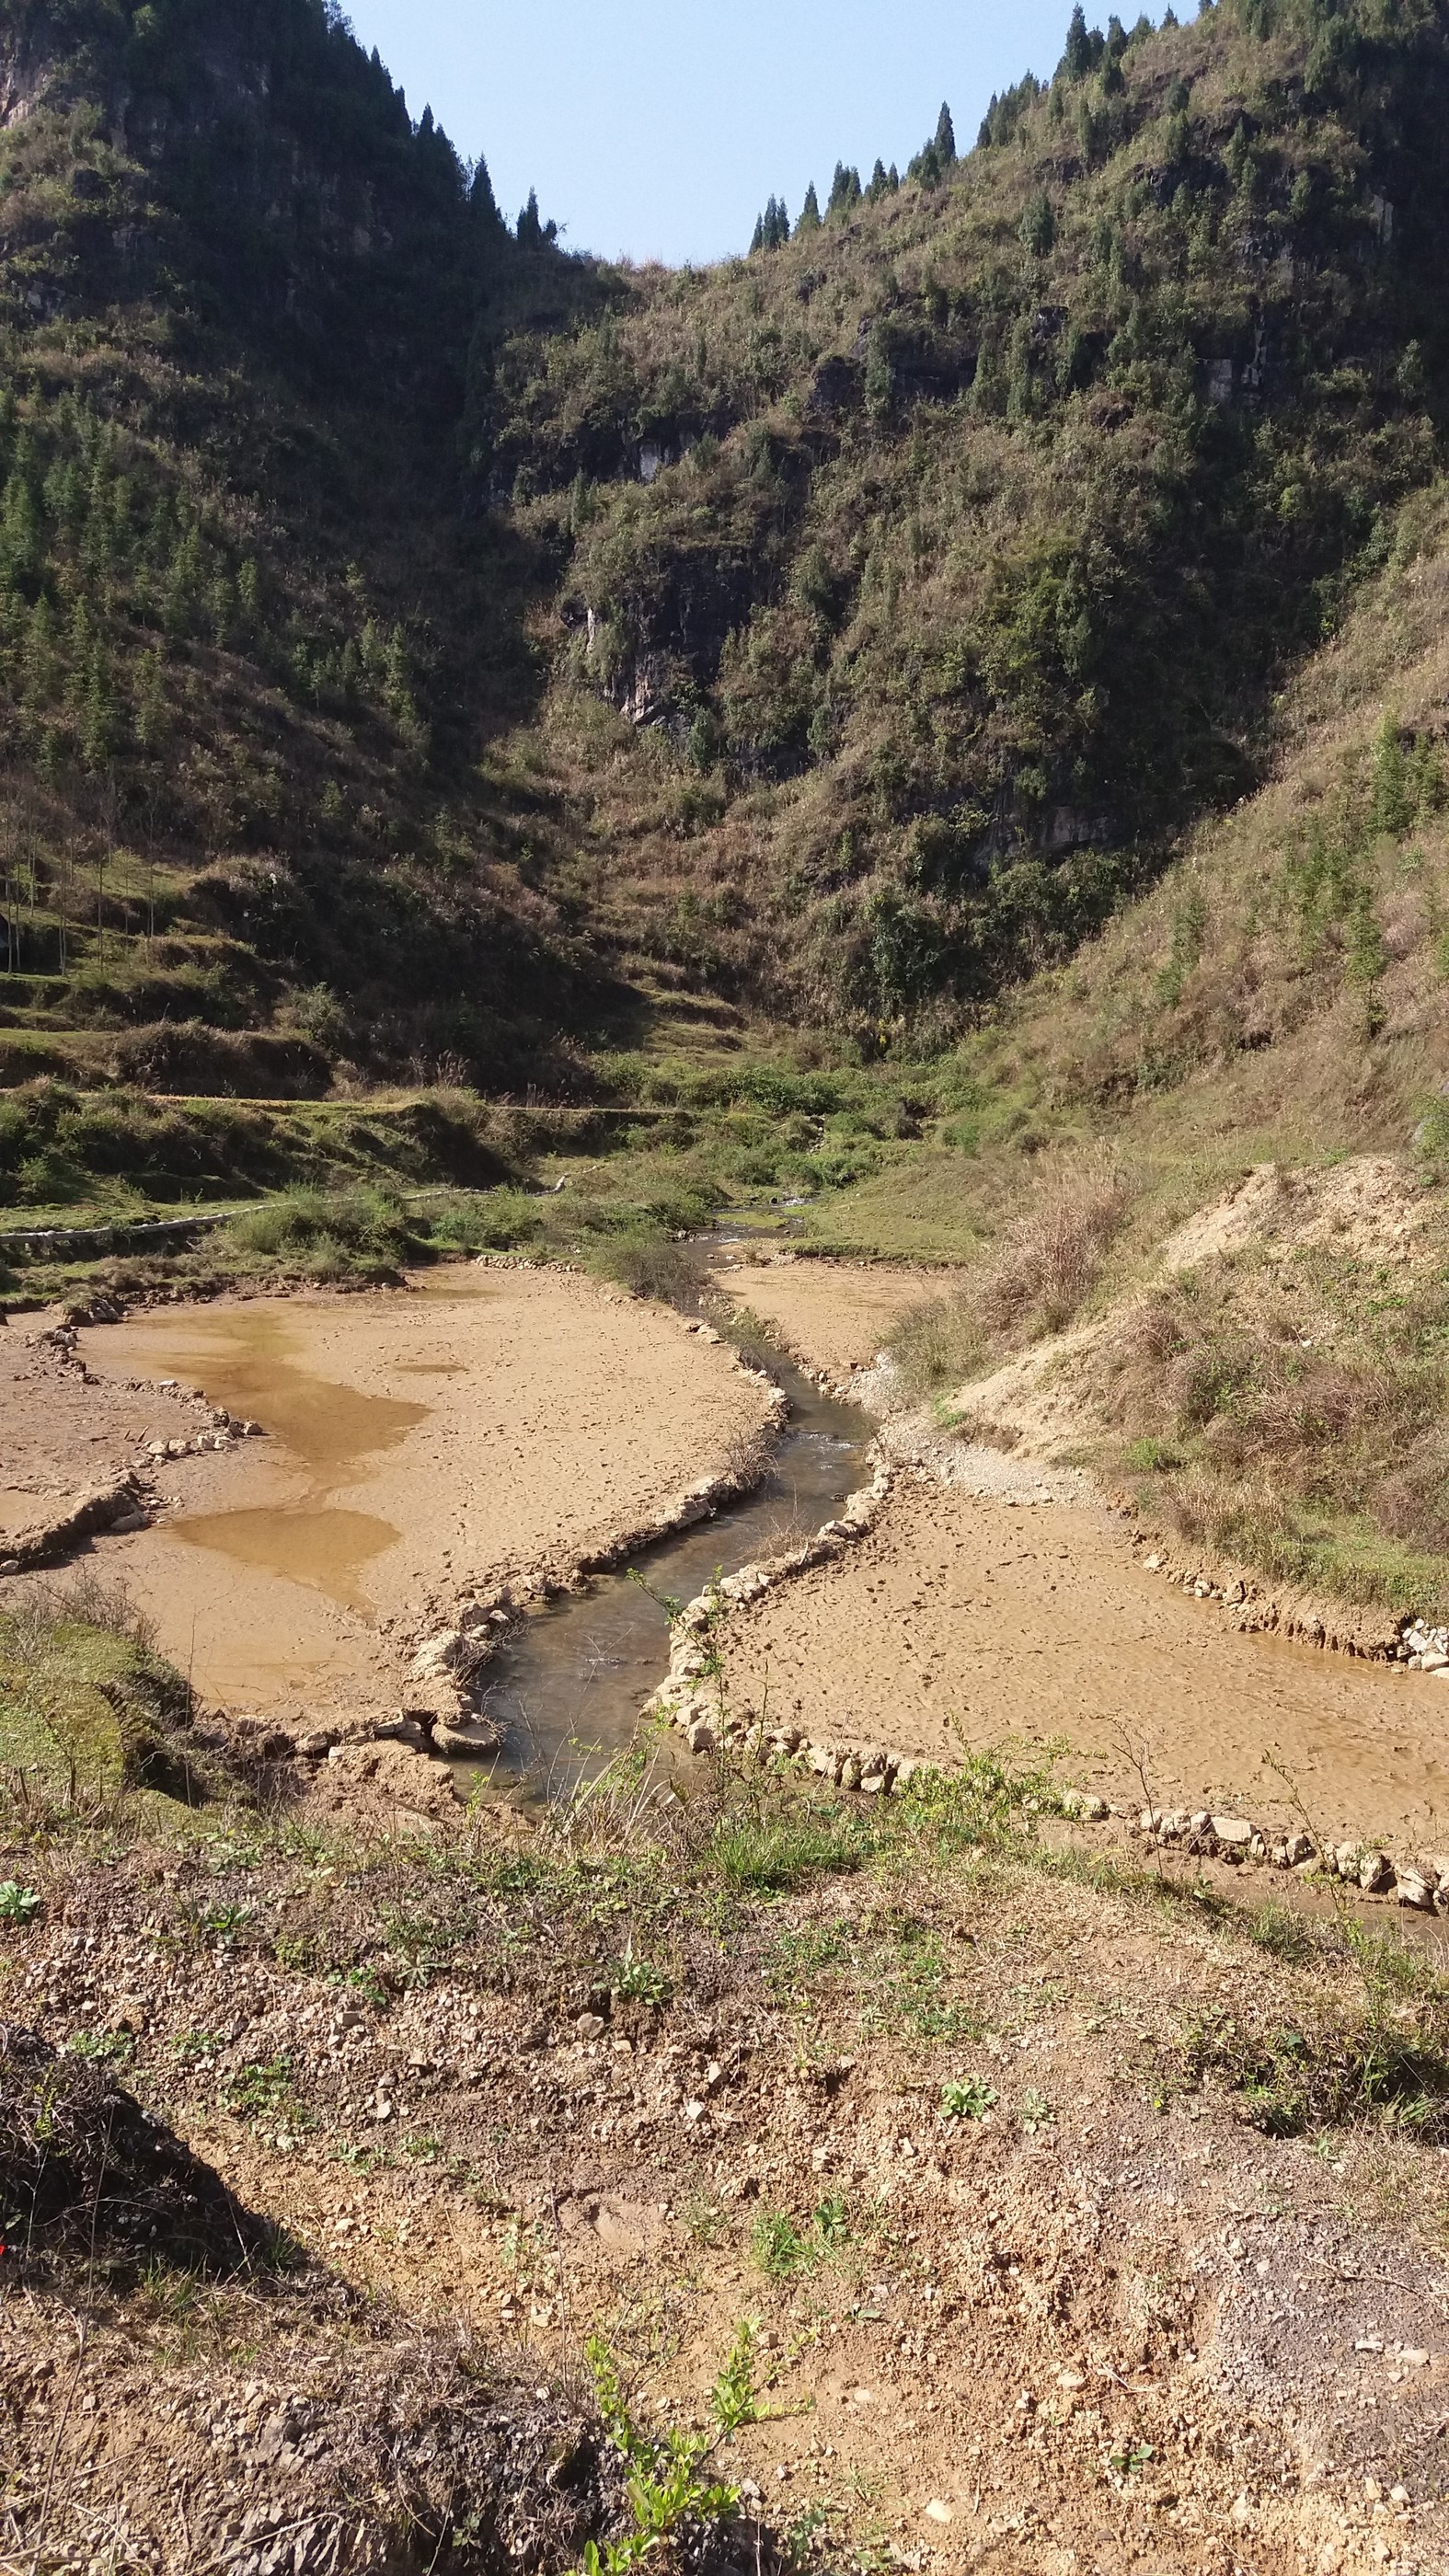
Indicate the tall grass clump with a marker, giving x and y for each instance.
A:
(649, 1262)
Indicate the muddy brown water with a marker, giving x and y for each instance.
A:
(243, 1358)
(568, 1689)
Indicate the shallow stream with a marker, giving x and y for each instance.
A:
(568, 1689)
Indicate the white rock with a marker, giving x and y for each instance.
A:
(1232, 1833)
(1415, 1891)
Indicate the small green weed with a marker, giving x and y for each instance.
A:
(734, 2399)
(782, 2247)
(667, 2487)
(258, 2091)
(1036, 2112)
(1378, 2063)
(18, 1904)
(196, 2047)
(778, 2245)
(102, 2047)
(219, 1921)
(1131, 2461)
(639, 1981)
(969, 2098)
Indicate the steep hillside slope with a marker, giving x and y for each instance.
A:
(1198, 1173)
(422, 652)
(946, 559)
(251, 648)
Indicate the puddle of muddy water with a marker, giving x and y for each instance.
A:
(241, 1358)
(314, 1544)
(568, 1690)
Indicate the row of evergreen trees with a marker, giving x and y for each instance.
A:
(109, 570)
(930, 166)
(1087, 51)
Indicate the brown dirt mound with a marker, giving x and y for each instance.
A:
(84, 2168)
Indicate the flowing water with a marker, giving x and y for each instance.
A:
(568, 1688)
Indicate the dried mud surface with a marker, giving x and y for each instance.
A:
(971, 1618)
(479, 1427)
(832, 1315)
(967, 1622)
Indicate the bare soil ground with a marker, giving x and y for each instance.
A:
(974, 1616)
(482, 1426)
(1100, 2324)
(967, 1621)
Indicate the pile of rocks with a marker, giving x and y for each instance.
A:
(223, 1431)
(442, 1715)
(1425, 1649)
(1421, 1884)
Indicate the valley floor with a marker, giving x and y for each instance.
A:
(484, 1429)
(1060, 2219)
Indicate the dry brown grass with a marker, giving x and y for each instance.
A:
(1049, 1260)
(1290, 1407)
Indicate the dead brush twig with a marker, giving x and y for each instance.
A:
(748, 1455)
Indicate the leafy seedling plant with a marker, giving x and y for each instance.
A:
(667, 2486)
(18, 1904)
(968, 2099)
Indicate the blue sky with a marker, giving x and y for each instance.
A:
(661, 131)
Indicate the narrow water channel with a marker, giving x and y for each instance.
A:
(568, 1689)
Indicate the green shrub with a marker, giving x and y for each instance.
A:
(495, 1221)
(329, 1234)
(650, 1263)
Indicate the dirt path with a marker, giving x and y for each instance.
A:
(486, 1425)
(832, 1315)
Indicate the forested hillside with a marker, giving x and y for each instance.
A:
(422, 650)
(251, 645)
(987, 516)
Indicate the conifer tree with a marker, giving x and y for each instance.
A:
(1038, 225)
(1077, 60)
(945, 138)
(809, 213)
(480, 193)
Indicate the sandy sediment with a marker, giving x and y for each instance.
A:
(488, 1428)
(965, 1622)
(833, 1316)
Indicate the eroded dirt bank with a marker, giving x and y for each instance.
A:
(483, 1426)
